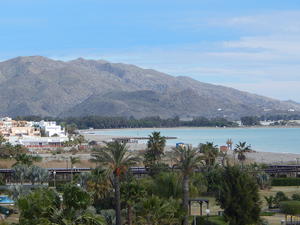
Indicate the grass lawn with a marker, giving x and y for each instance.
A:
(289, 191)
(273, 220)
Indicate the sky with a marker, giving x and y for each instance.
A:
(251, 45)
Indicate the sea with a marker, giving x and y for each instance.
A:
(281, 140)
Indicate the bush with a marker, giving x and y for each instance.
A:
(296, 197)
(290, 207)
(263, 222)
(267, 214)
(280, 197)
(290, 181)
(212, 220)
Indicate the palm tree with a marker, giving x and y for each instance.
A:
(73, 161)
(98, 184)
(167, 185)
(132, 192)
(155, 149)
(156, 211)
(241, 149)
(210, 153)
(187, 160)
(117, 160)
(270, 201)
(37, 174)
(27, 160)
(20, 172)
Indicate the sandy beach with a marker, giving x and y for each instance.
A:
(258, 156)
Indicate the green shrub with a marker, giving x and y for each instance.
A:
(296, 197)
(212, 220)
(280, 197)
(267, 214)
(290, 181)
(290, 207)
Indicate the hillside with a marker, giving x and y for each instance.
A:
(37, 85)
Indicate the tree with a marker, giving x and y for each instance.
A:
(166, 185)
(7, 150)
(239, 197)
(80, 139)
(132, 192)
(241, 149)
(280, 197)
(38, 206)
(210, 153)
(73, 161)
(99, 184)
(71, 129)
(109, 215)
(154, 151)
(116, 159)
(250, 121)
(37, 174)
(43, 206)
(296, 197)
(270, 201)
(20, 172)
(187, 160)
(213, 178)
(156, 211)
(75, 198)
(27, 160)
(2, 139)
(263, 180)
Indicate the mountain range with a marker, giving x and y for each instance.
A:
(36, 85)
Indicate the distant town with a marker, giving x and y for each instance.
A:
(32, 134)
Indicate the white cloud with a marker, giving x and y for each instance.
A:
(264, 59)
(284, 90)
(275, 21)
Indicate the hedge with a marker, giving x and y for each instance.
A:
(267, 213)
(212, 220)
(289, 181)
(290, 207)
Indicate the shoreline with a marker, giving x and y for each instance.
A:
(258, 156)
(196, 128)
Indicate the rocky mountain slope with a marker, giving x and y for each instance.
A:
(37, 85)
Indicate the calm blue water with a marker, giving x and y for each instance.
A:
(261, 139)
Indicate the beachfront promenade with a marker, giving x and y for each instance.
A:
(273, 170)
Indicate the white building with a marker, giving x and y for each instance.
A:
(6, 122)
(30, 141)
(51, 128)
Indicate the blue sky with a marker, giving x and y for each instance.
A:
(250, 45)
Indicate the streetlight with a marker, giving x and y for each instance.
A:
(54, 174)
(207, 213)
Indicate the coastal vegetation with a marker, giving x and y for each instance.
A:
(239, 197)
(102, 122)
(238, 193)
